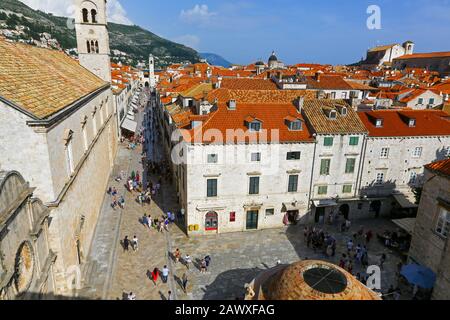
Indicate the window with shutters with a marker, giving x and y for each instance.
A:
(325, 167)
(211, 188)
(354, 141)
(347, 188)
(328, 141)
(350, 165)
(322, 190)
(443, 223)
(293, 183)
(254, 185)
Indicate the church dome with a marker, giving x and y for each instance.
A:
(259, 63)
(273, 57)
(314, 280)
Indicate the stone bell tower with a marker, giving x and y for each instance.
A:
(151, 71)
(92, 37)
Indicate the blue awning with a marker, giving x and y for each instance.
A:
(419, 275)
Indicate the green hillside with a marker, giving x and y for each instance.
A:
(138, 43)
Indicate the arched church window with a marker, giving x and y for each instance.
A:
(88, 47)
(94, 16)
(96, 47)
(85, 15)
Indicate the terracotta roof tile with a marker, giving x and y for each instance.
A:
(315, 111)
(425, 55)
(42, 81)
(248, 84)
(395, 124)
(442, 167)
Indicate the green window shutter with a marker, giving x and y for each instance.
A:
(212, 187)
(323, 190)
(347, 188)
(328, 141)
(354, 141)
(350, 165)
(293, 183)
(254, 185)
(325, 167)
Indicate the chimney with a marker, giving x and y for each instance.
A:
(232, 105)
(318, 76)
(300, 103)
(219, 82)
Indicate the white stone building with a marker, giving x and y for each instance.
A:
(399, 144)
(385, 54)
(251, 173)
(339, 135)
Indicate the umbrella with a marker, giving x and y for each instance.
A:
(419, 275)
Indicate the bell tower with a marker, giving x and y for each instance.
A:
(92, 37)
(151, 71)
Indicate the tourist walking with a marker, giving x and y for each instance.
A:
(187, 261)
(155, 275)
(165, 274)
(177, 255)
(349, 246)
(203, 268)
(184, 280)
(134, 243)
(169, 295)
(126, 243)
(208, 261)
(149, 222)
(131, 296)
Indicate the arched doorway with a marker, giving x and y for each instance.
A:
(344, 210)
(147, 84)
(375, 207)
(211, 221)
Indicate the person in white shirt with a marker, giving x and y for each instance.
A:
(134, 243)
(165, 274)
(187, 260)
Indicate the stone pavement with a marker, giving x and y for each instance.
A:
(236, 258)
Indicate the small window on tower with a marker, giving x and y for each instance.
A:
(85, 15)
(94, 16)
(88, 47)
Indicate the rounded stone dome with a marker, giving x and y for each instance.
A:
(273, 57)
(314, 280)
(259, 63)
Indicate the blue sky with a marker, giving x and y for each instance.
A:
(321, 31)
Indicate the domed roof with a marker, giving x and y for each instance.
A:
(273, 57)
(315, 280)
(259, 63)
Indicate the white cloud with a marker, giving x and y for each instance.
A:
(116, 13)
(190, 40)
(199, 13)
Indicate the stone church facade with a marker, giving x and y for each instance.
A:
(59, 130)
(26, 260)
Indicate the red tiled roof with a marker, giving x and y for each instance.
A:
(248, 84)
(330, 82)
(272, 117)
(425, 55)
(442, 166)
(395, 124)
